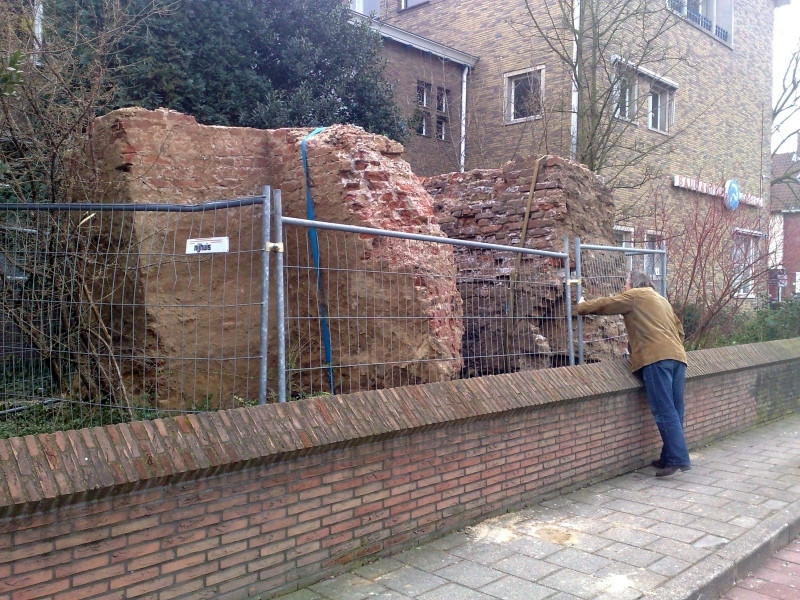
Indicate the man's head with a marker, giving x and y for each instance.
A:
(638, 279)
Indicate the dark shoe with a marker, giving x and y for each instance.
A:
(657, 464)
(671, 470)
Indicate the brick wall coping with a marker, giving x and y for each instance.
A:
(41, 471)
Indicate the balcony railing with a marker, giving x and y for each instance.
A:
(699, 19)
(691, 14)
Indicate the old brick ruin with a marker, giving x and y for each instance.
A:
(496, 206)
(176, 306)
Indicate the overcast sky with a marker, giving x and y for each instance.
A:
(787, 38)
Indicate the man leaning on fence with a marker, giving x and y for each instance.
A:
(655, 335)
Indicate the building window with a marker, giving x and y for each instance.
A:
(660, 105)
(623, 237)
(366, 7)
(712, 16)
(625, 91)
(441, 128)
(651, 263)
(523, 95)
(424, 125)
(423, 93)
(442, 99)
(745, 259)
(409, 3)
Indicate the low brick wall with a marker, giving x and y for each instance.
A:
(256, 501)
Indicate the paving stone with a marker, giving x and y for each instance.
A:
(725, 530)
(525, 567)
(482, 552)
(676, 549)
(643, 580)
(676, 532)
(589, 543)
(388, 595)
(469, 573)
(451, 541)
(669, 566)
(627, 535)
(626, 506)
(346, 587)
(510, 587)
(573, 582)
(411, 581)
(632, 555)
(744, 522)
(427, 559)
(631, 520)
(453, 591)
(578, 560)
(302, 595)
(378, 568)
(534, 547)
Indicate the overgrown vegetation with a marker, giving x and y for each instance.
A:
(775, 321)
(260, 63)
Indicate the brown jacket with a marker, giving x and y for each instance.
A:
(654, 331)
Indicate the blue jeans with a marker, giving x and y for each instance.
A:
(663, 382)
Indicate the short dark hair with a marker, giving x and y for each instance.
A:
(640, 279)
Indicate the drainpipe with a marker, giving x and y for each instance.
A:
(576, 23)
(462, 158)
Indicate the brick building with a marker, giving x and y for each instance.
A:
(785, 225)
(698, 101)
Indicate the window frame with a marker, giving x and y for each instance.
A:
(358, 7)
(627, 86)
(442, 99)
(666, 107)
(509, 92)
(626, 241)
(748, 262)
(651, 240)
(440, 132)
(423, 93)
(406, 4)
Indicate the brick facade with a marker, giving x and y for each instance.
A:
(721, 117)
(406, 68)
(257, 500)
(791, 251)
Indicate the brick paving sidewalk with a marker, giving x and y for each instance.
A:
(777, 579)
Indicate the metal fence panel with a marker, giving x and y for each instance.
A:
(113, 312)
(370, 309)
(119, 312)
(602, 271)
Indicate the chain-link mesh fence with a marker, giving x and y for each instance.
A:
(367, 311)
(602, 271)
(118, 312)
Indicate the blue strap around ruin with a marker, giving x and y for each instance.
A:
(312, 237)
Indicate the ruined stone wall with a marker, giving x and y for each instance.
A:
(496, 206)
(176, 307)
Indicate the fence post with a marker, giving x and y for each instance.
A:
(265, 259)
(580, 295)
(281, 291)
(568, 293)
